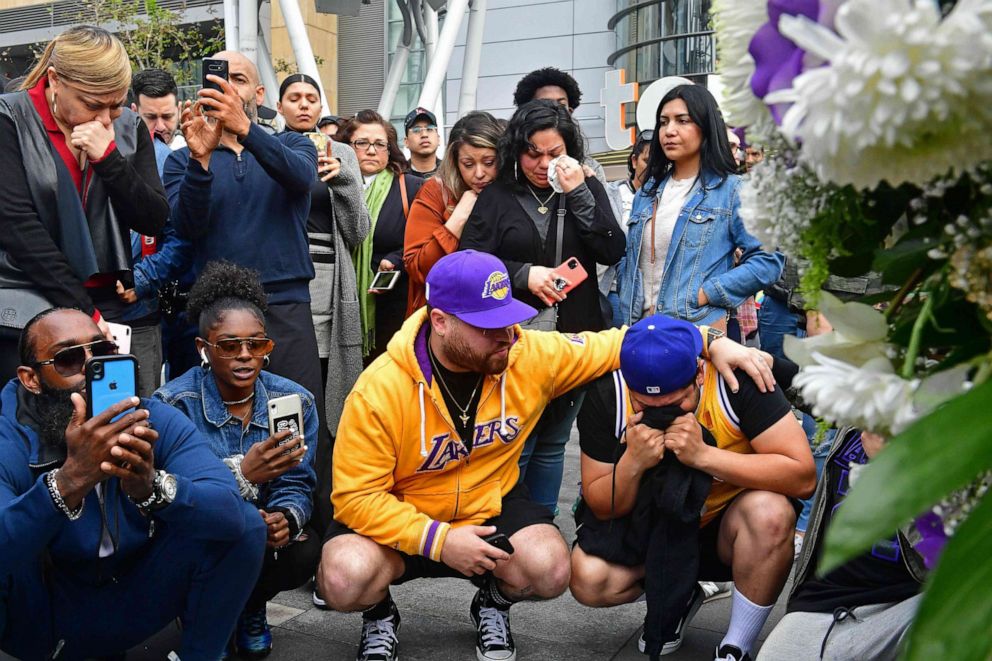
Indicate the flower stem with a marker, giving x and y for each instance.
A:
(900, 296)
(913, 350)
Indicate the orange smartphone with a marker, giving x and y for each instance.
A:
(569, 275)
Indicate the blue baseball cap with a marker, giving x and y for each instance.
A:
(475, 287)
(659, 355)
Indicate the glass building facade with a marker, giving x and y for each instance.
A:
(658, 38)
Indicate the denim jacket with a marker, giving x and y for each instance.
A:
(701, 254)
(195, 394)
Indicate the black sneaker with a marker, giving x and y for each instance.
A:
(730, 653)
(493, 641)
(380, 638)
(695, 601)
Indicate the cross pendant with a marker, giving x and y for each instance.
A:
(464, 418)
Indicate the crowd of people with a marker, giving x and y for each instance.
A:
(444, 320)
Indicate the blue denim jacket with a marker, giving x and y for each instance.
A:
(701, 254)
(195, 394)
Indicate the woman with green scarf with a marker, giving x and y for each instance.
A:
(389, 191)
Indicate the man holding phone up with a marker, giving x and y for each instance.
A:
(110, 530)
(240, 194)
(425, 463)
(758, 459)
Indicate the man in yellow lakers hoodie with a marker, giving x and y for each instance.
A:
(425, 463)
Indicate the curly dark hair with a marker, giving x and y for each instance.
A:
(397, 161)
(535, 80)
(530, 118)
(223, 286)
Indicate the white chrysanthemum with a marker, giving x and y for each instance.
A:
(869, 397)
(735, 22)
(905, 97)
(777, 203)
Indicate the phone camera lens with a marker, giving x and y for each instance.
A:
(97, 369)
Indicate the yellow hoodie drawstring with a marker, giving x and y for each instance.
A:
(502, 403)
(423, 421)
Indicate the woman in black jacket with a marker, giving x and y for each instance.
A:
(78, 174)
(517, 219)
(389, 192)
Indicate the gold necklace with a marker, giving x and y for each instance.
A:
(543, 208)
(463, 416)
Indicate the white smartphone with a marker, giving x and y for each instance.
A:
(286, 413)
(122, 336)
(384, 281)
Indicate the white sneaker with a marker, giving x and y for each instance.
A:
(672, 646)
(797, 541)
(713, 591)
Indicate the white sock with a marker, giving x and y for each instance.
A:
(746, 620)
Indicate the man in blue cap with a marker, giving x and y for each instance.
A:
(425, 462)
(663, 401)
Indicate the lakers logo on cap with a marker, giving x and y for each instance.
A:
(497, 286)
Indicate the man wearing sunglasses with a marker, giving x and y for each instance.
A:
(110, 529)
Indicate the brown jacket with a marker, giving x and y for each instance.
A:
(427, 239)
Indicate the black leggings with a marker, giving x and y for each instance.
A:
(286, 569)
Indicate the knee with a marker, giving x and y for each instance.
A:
(588, 582)
(771, 517)
(548, 571)
(346, 575)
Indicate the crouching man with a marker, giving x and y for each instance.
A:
(111, 529)
(758, 460)
(425, 463)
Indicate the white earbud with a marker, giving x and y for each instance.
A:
(203, 355)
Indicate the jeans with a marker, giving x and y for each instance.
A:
(820, 452)
(775, 321)
(206, 583)
(543, 459)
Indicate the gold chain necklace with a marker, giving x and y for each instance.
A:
(463, 416)
(543, 205)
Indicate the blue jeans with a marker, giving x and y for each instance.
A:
(543, 459)
(205, 583)
(820, 452)
(775, 321)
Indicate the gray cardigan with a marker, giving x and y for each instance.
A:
(351, 226)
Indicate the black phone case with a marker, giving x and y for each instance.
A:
(209, 84)
(500, 541)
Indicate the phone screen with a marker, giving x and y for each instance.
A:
(109, 379)
(384, 280)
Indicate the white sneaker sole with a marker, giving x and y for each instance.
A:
(482, 657)
(671, 646)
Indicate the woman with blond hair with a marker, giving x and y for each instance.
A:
(78, 174)
(446, 200)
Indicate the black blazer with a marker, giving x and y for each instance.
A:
(500, 226)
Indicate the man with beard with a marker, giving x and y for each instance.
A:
(425, 463)
(110, 529)
(242, 195)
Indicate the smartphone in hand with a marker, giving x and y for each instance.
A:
(500, 541)
(109, 379)
(569, 275)
(217, 68)
(286, 413)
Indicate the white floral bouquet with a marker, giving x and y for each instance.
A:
(876, 117)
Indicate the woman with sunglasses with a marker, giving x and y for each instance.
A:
(445, 201)
(389, 191)
(684, 225)
(77, 175)
(227, 399)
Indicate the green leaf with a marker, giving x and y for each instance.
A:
(954, 620)
(937, 454)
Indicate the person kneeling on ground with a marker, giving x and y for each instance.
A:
(760, 460)
(862, 609)
(425, 463)
(227, 398)
(111, 527)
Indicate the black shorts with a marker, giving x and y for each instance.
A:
(711, 568)
(519, 512)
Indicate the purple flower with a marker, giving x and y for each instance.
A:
(777, 60)
(933, 539)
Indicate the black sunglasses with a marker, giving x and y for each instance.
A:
(258, 347)
(71, 360)
(645, 136)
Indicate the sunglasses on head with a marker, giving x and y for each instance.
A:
(258, 347)
(645, 136)
(71, 360)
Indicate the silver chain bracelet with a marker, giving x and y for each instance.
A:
(53, 491)
(248, 490)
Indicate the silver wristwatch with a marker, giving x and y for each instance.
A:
(164, 488)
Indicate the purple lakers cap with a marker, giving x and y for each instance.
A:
(475, 287)
(658, 355)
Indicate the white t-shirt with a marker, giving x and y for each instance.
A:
(653, 264)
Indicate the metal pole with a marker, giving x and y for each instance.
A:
(300, 41)
(398, 66)
(473, 57)
(442, 55)
(431, 20)
(248, 29)
(231, 40)
(267, 73)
